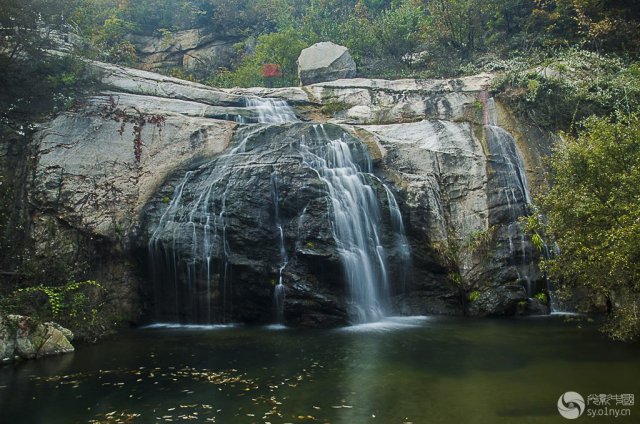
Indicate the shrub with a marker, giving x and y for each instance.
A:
(542, 297)
(474, 296)
(593, 215)
(575, 84)
(75, 305)
(280, 49)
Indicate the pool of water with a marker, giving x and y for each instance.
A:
(401, 370)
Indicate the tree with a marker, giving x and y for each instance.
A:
(32, 80)
(278, 50)
(34, 83)
(593, 214)
(458, 23)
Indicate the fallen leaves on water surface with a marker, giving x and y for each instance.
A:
(116, 417)
(107, 377)
(267, 395)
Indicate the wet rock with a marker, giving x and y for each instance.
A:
(497, 301)
(24, 338)
(241, 234)
(535, 307)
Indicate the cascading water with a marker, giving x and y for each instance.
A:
(402, 244)
(279, 293)
(355, 222)
(271, 111)
(191, 250)
(514, 187)
(202, 217)
(199, 215)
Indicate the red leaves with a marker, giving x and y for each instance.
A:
(270, 70)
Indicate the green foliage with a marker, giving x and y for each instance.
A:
(110, 40)
(542, 297)
(74, 305)
(534, 225)
(481, 241)
(570, 87)
(279, 48)
(333, 107)
(34, 81)
(537, 241)
(397, 32)
(521, 306)
(474, 296)
(150, 16)
(384, 36)
(593, 214)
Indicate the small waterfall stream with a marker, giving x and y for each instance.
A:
(514, 187)
(279, 291)
(402, 244)
(356, 222)
(271, 111)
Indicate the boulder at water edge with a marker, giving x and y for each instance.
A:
(325, 61)
(25, 338)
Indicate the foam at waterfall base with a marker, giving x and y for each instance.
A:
(177, 326)
(565, 313)
(389, 324)
(276, 327)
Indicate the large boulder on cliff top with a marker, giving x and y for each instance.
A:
(325, 61)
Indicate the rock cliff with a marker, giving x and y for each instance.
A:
(459, 166)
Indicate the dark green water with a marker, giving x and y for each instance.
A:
(436, 370)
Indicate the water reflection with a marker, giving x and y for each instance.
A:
(420, 370)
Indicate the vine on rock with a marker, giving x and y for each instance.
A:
(138, 119)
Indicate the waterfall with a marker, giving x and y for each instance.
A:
(279, 292)
(402, 244)
(513, 186)
(503, 145)
(356, 220)
(190, 250)
(272, 111)
(201, 217)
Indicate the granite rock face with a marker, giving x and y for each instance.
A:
(325, 61)
(188, 49)
(457, 163)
